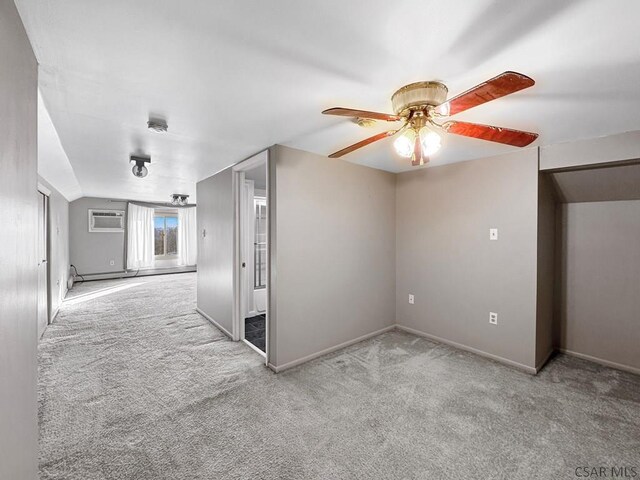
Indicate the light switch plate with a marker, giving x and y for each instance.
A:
(411, 299)
(493, 234)
(493, 318)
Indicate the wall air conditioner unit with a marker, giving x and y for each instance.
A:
(101, 221)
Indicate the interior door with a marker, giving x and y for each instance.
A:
(246, 250)
(43, 287)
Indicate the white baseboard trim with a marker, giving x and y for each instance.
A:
(57, 310)
(491, 356)
(545, 360)
(601, 361)
(215, 324)
(313, 356)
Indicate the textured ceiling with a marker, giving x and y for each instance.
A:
(233, 77)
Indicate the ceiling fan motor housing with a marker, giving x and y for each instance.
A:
(417, 96)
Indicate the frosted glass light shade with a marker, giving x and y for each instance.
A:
(404, 144)
(140, 171)
(430, 141)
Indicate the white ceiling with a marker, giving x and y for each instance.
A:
(233, 77)
(53, 163)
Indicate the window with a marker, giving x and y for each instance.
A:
(166, 235)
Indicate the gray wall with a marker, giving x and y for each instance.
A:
(335, 253)
(92, 252)
(546, 269)
(18, 277)
(59, 246)
(600, 281)
(458, 276)
(215, 250)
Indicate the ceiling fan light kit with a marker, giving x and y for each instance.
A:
(429, 144)
(420, 105)
(179, 199)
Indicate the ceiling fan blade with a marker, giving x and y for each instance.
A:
(349, 112)
(504, 84)
(517, 138)
(362, 143)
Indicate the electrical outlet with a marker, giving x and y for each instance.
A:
(493, 234)
(112, 262)
(493, 318)
(411, 299)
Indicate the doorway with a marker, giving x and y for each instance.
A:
(252, 249)
(43, 261)
(597, 259)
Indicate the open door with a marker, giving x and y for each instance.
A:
(251, 305)
(43, 263)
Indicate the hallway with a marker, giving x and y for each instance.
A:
(135, 385)
(126, 375)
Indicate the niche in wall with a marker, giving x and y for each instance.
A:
(597, 301)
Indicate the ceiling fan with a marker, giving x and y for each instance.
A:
(419, 105)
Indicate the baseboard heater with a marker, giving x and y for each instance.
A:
(88, 277)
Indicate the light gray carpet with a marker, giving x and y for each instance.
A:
(134, 384)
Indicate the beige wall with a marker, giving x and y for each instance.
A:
(18, 276)
(599, 304)
(344, 236)
(613, 182)
(546, 270)
(335, 253)
(458, 276)
(622, 147)
(215, 250)
(59, 246)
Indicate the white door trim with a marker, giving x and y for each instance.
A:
(238, 249)
(246, 250)
(44, 190)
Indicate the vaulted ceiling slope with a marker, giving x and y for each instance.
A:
(53, 163)
(235, 76)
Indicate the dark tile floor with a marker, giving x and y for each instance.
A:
(254, 331)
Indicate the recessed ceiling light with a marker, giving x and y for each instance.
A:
(157, 125)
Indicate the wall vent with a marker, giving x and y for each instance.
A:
(101, 221)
